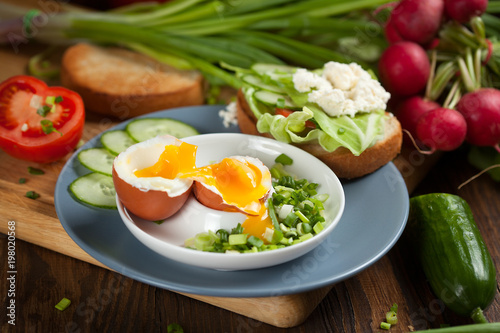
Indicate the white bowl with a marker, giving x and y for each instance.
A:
(167, 238)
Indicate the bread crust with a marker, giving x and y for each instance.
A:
(341, 161)
(121, 83)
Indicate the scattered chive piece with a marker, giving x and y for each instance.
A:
(63, 304)
(238, 239)
(49, 100)
(385, 326)
(43, 110)
(58, 99)
(35, 171)
(254, 241)
(391, 318)
(22, 180)
(284, 159)
(302, 216)
(159, 222)
(32, 195)
(175, 328)
(48, 127)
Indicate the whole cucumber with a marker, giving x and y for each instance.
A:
(452, 253)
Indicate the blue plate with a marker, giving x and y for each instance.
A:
(375, 215)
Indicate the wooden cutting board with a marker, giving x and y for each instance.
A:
(37, 222)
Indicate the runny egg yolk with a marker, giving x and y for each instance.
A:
(173, 161)
(256, 225)
(240, 183)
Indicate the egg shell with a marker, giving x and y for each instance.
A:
(151, 198)
(150, 205)
(210, 197)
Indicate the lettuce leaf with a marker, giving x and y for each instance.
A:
(356, 134)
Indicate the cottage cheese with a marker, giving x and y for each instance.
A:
(342, 89)
(229, 115)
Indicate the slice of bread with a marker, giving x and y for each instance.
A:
(341, 161)
(124, 84)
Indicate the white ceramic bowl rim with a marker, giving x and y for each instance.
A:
(213, 147)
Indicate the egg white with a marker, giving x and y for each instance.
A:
(146, 154)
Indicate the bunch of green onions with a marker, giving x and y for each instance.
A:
(206, 34)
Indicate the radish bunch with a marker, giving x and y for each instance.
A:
(437, 64)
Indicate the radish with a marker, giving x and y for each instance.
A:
(404, 68)
(417, 20)
(410, 110)
(481, 110)
(441, 129)
(463, 10)
(391, 33)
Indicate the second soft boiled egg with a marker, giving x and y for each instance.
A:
(236, 183)
(147, 188)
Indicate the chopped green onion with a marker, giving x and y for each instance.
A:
(237, 230)
(22, 180)
(306, 228)
(305, 237)
(59, 99)
(385, 326)
(302, 216)
(50, 100)
(39, 66)
(237, 239)
(32, 195)
(202, 241)
(48, 127)
(175, 328)
(391, 317)
(254, 241)
(223, 235)
(318, 227)
(35, 171)
(159, 222)
(43, 110)
(284, 159)
(63, 304)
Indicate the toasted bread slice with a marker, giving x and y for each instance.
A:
(341, 161)
(124, 84)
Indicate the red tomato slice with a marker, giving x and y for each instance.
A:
(21, 131)
(287, 112)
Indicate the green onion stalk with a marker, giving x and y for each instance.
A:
(202, 34)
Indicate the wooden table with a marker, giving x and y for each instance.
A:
(50, 267)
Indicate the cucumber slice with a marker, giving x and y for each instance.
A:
(95, 189)
(267, 69)
(147, 128)
(97, 159)
(116, 141)
(259, 83)
(270, 98)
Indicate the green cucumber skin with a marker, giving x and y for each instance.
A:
(452, 252)
(472, 328)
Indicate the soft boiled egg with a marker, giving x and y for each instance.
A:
(153, 179)
(147, 188)
(237, 183)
